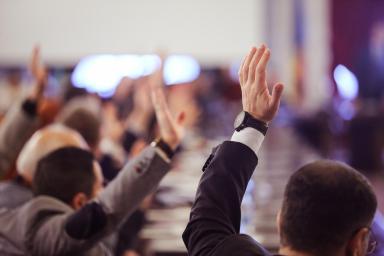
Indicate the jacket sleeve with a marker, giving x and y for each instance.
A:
(17, 127)
(216, 212)
(77, 232)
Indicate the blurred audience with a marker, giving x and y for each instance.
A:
(12, 88)
(20, 122)
(370, 65)
(17, 191)
(78, 171)
(63, 219)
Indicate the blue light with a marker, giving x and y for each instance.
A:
(346, 82)
(102, 73)
(150, 63)
(84, 75)
(180, 69)
(128, 65)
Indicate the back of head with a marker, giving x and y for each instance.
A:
(325, 204)
(82, 115)
(42, 143)
(64, 173)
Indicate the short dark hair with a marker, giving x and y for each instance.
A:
(86, 123)
(325, 203)
(64, 173)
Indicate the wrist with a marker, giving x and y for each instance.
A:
(165, 147)
(173, 144)
(257, 116)
(36, 92)
(30, 106)
(245, 119)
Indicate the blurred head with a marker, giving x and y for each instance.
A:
(42, 143)
(69, 174)
(83, 115)
(14, 76)
(328, 209)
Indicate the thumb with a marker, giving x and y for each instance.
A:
(277, 91)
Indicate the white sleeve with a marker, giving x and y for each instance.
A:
(249, 137)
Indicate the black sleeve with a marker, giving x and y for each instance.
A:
(216, 212)
(30, 107)
(87, 222)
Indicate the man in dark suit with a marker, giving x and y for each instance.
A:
(327, 209)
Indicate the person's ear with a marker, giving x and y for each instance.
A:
(358, 244)
(79, 200)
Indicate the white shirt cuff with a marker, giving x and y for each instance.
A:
(249, 137)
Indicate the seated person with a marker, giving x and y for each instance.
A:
(17, 191)
(70, 214)
(22, 120)
(328, 207)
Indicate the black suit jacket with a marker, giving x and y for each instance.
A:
(214, 224)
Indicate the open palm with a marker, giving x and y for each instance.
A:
(171, 129)
(256, 98)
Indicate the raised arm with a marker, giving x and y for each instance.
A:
(215, 215)
(21, 120)
(83, 229)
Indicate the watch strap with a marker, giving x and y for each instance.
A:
(250, 121)
(163, 146)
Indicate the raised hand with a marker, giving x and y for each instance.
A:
(140, 117)
(39, 73)
(256, 98)
(142, 98)
(171, 129)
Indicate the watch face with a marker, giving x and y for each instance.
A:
(239, 119)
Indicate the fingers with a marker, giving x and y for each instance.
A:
(245, 67)
(35, 59)
(158, 99)
(36, 52)
(254, 64)
(255, 61)
(262, 66)
(160, 105)
(240, 72)
(38, 69)
(277, 91)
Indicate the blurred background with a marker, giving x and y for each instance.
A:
(328, 53)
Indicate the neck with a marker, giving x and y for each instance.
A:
(23, 181)
(286, 251)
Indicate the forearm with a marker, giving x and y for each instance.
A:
(137, 179)
(216, 212)
(18, 125)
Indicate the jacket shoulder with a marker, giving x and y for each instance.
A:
(16, 224)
